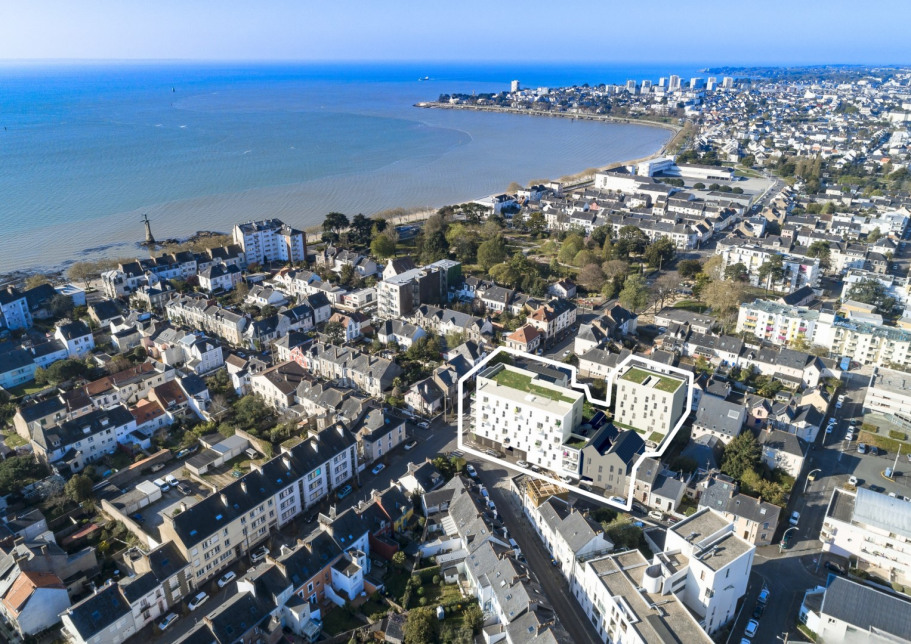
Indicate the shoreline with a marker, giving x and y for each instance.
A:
(575, 117)
(395, 216)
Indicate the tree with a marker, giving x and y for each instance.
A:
(570, 248)
(537, 223)
(600, 235)
(737, 272)
(722, 297)
(78, 488)
(63, 370)
(473, 618)
(871, 291)
(820, 249)
(420, 627)
(664, 288)
(18, 471)
(631, 240)
(584, 257)
(492, 252)
(688, 268)
(361, 228)
(772, 271)
(699, 186)
(399, 559)
(623, 533)
(591, 278)
(335, 331)
(382, 246)
(741, 455)
(874, 235)
(634, 295)
(334, 223)
(83, 272)
(36, 280)
(434, 247)
(660, 252)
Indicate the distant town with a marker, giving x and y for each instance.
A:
(664, 400)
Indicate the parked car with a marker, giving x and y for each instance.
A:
(137, 518)
(424, 424)
(169, 619)
(227, 578)
(259, 554)
(657, 515)
(764, 596)
(198, 600)
(836, 568)
(171, 480)
(861, 448)
(750, 630)
(379, 468)
(852, 480)
(521, 464)
(758, 610)
(787, 540)
(184, 489)
(164, 487)
(841, 398)
(157, 467)
(619, 500)
(345, 491)
(410, 446)
(472, 472)
(795, 517)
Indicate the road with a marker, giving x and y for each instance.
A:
(496, 478)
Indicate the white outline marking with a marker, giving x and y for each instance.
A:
(658, 366)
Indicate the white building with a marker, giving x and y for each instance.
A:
(889, 393)
(270, 240)
(873, 528)
(14, 313)
(649, 401)
(777, 323)
(516, 408)
(77, 337)
(798, 271)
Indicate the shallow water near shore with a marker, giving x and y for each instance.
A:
(85, 150)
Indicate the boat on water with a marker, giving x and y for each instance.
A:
(425, 78)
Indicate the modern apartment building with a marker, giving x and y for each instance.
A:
(649, 401)
(14, 312)
(520, 409)
(797, 271)
(872, 528)
(889, 393)
(777, 323)
(399, 295)
(270, 240)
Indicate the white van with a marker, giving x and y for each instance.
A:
(164, 487)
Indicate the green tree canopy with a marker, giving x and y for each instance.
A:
(688, 268)
(382, 246)
(737, 272)
(820, 249)
(421, 627)
(492, 252)
(660, 252)
(634, 295)
(741, 455)
(871, 291)
(78, 488)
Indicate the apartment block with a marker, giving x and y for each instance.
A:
(889, 393)
(270, 240)
(777, 323)
(520, 409)
(871, 528)
(649, 401)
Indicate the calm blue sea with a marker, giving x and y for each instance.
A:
(86, 149)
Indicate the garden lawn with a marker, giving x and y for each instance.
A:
(336, 621)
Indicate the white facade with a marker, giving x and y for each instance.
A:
(889, 393)
(535, 417)
(777, 323)
(872, 528)
(270, 240)
(649, 401)
(798, 271)
(14, 313)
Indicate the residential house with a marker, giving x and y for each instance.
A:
(349, 366)
(270, 240)
(14, 311)
(845, 610)
(377, 433)
(33, 602)
(401, 333)
(608, 458)
(553, 319)
(77, 337)
(526, 338)
(782, 450)
(219, 278)
(425, 398)
(81, 441)
(719, 418)
(278, 385)
(754, 520)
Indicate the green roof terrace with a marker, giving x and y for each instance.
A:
(522, 382)
(659, 381)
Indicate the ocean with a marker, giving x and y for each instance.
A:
(86, 150)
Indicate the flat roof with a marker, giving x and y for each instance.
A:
(896, 382)
(523, 387)
(659, 381)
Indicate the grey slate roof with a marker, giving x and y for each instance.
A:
(97, 612)
(720, 415)
(868, 609)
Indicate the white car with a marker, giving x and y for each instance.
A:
(198, 601)
(424, 424)
(379, 468)
(169, 619)
(525, 464)
(227, 578)
(259, 554)
(164, 487)
(171, 480)
(472, 472)
(750, 630)
(852, 480)
(861, 448)
(841, 398)
(411, 445)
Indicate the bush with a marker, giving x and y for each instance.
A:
(421, 591)
(436, 579)
(899, 436)
(423, 600)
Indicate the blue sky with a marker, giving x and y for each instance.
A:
(704, 31)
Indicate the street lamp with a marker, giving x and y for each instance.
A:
(783, 538)
(807, 482)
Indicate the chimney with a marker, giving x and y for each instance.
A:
(183, 506)
(224, 498)
(286, 462)
(243, 485)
